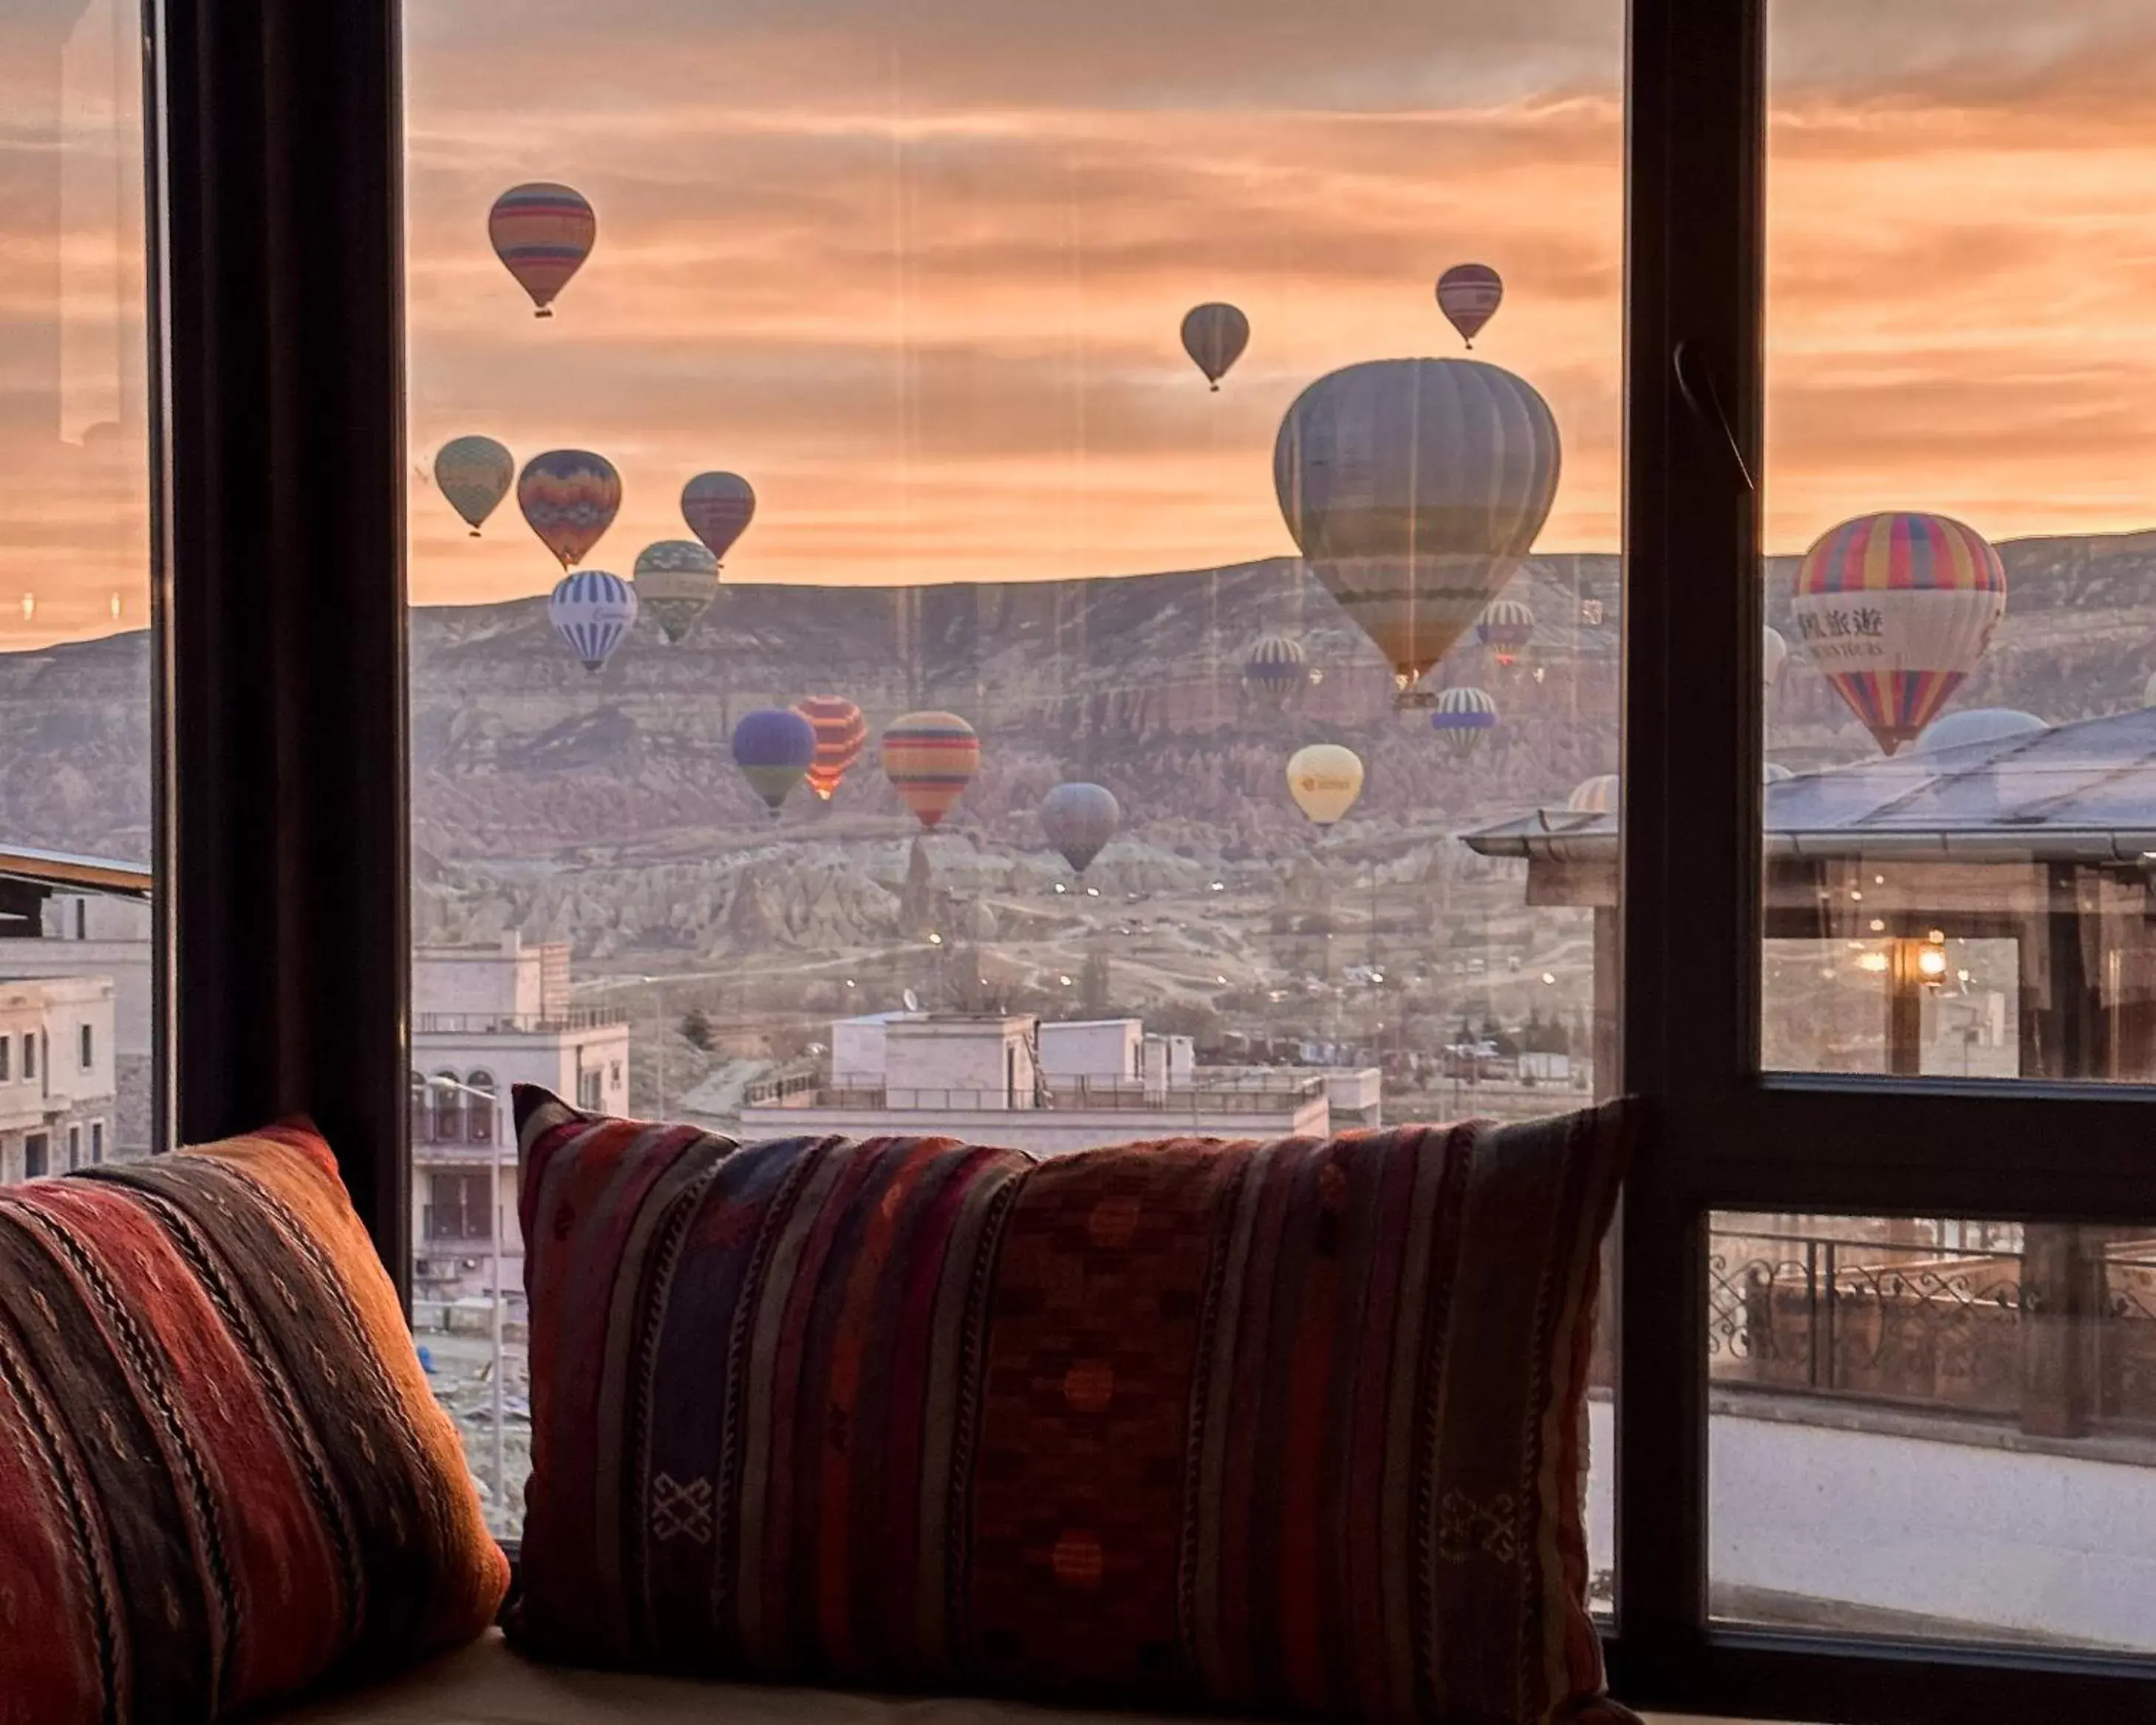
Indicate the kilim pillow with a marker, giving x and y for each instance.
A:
(1290, 1426)
(222, 1476)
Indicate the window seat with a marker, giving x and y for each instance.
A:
(486, 1684)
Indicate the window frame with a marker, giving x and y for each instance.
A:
(281, 808)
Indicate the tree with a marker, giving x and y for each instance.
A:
(696, 1029)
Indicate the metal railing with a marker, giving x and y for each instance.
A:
(518, 1023)
(1244, 1094)
(1979, 1333)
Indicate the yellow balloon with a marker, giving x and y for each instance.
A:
(1325, 779)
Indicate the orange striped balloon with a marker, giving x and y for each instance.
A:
(930, 759)
(543, 232)
(841, 734)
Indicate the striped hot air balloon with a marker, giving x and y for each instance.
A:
(474, 474)
(593, 612)
(930, 757)
(543, 232)
(841, 734)
(1277, 671)
(1415, 488)
(1599, 795)
(1505, 627)
(1895, 610)
(1214, 336)
(718, 508)
(1464, 718)
(1774, 654)
(1078, 820)
(570, 497)
(773, 746)
(1469, 295)
(676, 580)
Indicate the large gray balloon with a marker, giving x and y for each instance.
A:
(1079, 819)
(1415, 488)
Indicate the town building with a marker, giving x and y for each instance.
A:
(1047, 1087)
(56, 1094)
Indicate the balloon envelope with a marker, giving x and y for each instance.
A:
(1895, 610)
(569, 497)
(930, 757)
(718, 508)
(841, 734)
(1277, 670)
(1325, 779)
(1464, 718)
(1214, 336)
(1598, 796)
(593, 612)
(474, 474)
(1976, 724)
(1079, 819)
(676, 580)
(1469, 295)
(1505, 627)
(1414, 488)
(773, 746)
(543, 232)
(1774, 654)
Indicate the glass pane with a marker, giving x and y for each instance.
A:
(977, 792)
(1932, 1429)
(76, 1068)
(1960, 350)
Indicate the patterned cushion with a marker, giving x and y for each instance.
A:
(222, 1476)
(1296, 1425)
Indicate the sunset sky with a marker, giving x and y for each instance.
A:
(917, 267)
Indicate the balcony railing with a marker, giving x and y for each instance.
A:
(2057, 1337)
(518, 1023)
(1240, 1093)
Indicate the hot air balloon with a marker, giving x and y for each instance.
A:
(1277, 671)
(1598, 796)
(474, 474)
(676, 580)
(1895, 610)
(1078, 820)
(1505, 627)
(1214, 336)
(1976, 724)
(1774, 656)
(773, 746)
(569, 497)
(2148, 691)
(1464, 718)
(1469, 295)
(930, 757)
(1414, 488)
(718, 508)
(593, 612)
(1325, 779)
(543, 232)
(841, 734)
(1773, 772)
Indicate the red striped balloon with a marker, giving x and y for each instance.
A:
(841, 734)
(543, 232)
(930, 759)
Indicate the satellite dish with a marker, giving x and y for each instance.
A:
(912, 1001)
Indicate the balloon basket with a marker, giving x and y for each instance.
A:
(1415, 700)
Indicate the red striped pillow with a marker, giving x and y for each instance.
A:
(1293, 1425)
(222, 1476)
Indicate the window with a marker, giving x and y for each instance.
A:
(6, 1047)
(29, 1054)
(97, 1143)
(590, 1090)
(447, 1126)
(478, 1107)
(74, 1148)
(88, 1048)
(36, 1152)
(458, 1207)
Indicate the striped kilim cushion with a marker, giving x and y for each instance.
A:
(222, 1476)
(1287, 1426)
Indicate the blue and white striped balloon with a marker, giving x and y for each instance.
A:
(593, 612)
(1464, 718)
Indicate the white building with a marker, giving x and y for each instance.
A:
(484, 1019)
(95, 935)
(1048, 1088)
(56, 1056)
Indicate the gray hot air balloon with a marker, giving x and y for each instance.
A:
(1415, 488)
(1214, 336)
(676, 580)
(474, 474)
(1079, 819)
